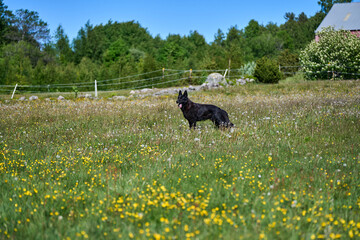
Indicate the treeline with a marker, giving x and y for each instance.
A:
(29, 55)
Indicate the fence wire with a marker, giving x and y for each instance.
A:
(172, 77)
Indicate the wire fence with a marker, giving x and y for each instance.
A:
(330, 72)
(159, 78)
(173, 77)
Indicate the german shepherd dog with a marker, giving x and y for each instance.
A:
(194, 112)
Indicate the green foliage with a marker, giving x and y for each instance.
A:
(265, 44)
(75, 90)
(27, 26)
(62, 46)
(115, 51)
(326, 5)
(300, 30)
(4, 22)
(248, 69)
(119, 49)
(336, 52)
(267, 71)
(289, 62)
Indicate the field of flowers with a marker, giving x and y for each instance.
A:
(132, 169)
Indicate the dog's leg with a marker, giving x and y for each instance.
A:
(192, 124)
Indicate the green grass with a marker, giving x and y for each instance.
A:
(108, 169)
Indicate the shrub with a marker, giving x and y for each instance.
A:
(267, 71)
(247, 69)
(336, 54)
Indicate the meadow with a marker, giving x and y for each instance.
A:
(132, 169)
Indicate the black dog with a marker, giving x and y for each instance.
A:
(194, 112)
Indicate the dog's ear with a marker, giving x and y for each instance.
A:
(185, 93)
(180, 93)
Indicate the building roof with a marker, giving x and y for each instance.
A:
(342, 16)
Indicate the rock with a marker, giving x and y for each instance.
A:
(22, 98)
(60, 98)
(33, 98)
(145, 90)
(241, 81)
(192, 88)
(87, 95)
(215, 80)
(206, 86)
(196, 88)
(118, 97)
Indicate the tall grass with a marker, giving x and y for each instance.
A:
(132, 169)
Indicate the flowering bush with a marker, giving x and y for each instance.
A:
(335, 55)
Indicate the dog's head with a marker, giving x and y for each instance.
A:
(182, 99)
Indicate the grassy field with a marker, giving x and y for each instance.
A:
(131, 169)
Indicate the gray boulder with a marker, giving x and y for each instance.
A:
(145, 90)
(33, 98)
(118, 97)
(87, 95)
(194, 88)
(241, 81)
(216, 79)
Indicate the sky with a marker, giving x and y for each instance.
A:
(162, 17)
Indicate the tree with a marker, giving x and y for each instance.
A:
(173, 53)
(234, 47)
(80, 43)
(289, 16)
(299, 30)
(62, 45)
(219, 38)
(253, 29)
(27, 26)
(19, 58)
(149, 65)
(4, 21)
(326, 5)
(197, 47)
(266, 45)
(117, 50)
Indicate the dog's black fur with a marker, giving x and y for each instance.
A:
(194, 112)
